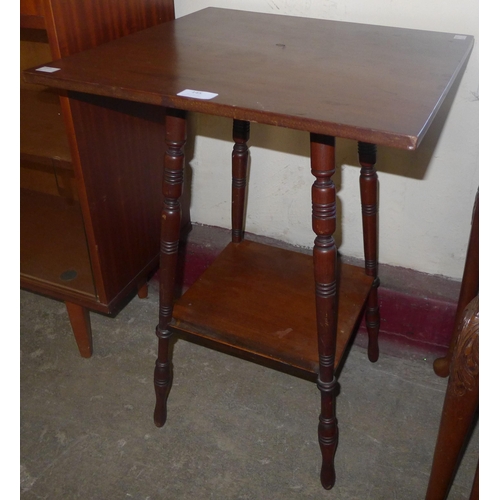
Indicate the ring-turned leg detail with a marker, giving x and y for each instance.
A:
(170, 230)
(241, 134)
(325, 276)
(368, 182)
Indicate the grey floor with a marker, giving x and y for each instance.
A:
(235, 430)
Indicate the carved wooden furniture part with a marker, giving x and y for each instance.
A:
(330, 79)
(85, 238)
(461, 404)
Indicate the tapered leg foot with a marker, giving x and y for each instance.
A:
(163, 376)
(373, 323)
(328, 440)
(325, 277)
(171, 217)
(79, 318)
(441, 366)
(142, 292)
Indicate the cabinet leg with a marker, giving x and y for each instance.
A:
(368, 182)
(241, 134)
(468, 290)
(460, 404)
(79, 318)
(325, 276)
(142, 292)
(170, 232)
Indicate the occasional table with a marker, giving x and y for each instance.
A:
(375, 85)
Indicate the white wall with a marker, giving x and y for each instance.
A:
(426, 197)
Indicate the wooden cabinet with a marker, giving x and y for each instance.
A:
(90, 169)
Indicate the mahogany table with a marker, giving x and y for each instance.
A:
(375, 85)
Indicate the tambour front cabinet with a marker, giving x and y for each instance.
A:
(88, 238)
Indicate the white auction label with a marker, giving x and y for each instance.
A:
(197, 94)
(47, 69)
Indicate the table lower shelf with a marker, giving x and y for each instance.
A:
(258, 302)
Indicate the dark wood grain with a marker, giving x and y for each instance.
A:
(468, 289)
(241, 134)
(32, 14)
(79, 318)
(43, 137)
(368, 183)
(111, 237)
(375, 84)
(122, 172)
(53, 242)
(75, 25)
(324, 218)
(230, 305)
(171, 217)
(460, 406)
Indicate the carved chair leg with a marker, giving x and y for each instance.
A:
(325, 276)
(460, 405)
(468, 290)
(79, 318)
(176, 131)
(368, 182)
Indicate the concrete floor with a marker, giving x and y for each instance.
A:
(234, 431)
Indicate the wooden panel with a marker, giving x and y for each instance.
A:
(54, 243)
(34, 51)
(122, 172)
(75, 25)
(32, 14)
(259, 301)
(48, 179)
(375, 84)
(43, 137)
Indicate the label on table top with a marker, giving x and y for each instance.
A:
(47, 69)
(197, 94)
(460, 37)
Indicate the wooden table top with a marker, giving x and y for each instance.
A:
(370, 83)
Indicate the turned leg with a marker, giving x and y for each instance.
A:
(460, 404)
(170, 232)
(468, 290)
(369, 206)
(325, 276)
(79, 317)
(241, 134)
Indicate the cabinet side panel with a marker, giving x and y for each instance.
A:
(72, 26)
(32, 15)
(121, 152)
(75, 25)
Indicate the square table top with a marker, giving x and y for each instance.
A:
(375, 84)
